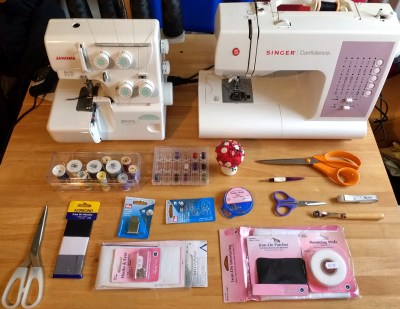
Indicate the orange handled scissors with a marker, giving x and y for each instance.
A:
(340, 166)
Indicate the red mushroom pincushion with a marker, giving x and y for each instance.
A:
(229, 155)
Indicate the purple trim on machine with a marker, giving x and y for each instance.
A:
(359, 72)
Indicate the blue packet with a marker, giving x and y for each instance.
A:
(136, 218)
(190, 210)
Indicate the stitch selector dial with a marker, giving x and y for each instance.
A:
(124, 60)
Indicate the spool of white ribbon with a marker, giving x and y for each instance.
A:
(328, 267)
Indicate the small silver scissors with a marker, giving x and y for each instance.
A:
(285, 205)
(29, 270)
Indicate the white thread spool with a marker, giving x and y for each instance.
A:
(93, 167)
(328, 267)
(113, 168)
(74, 167)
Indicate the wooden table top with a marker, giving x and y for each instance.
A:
(374, 245)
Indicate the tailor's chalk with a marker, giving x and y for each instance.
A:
(284, 179)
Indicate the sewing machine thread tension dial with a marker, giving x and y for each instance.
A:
(124, 60)
(125, 90)
(102, 60)
(146, 89)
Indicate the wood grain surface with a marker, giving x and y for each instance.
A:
(375, 246)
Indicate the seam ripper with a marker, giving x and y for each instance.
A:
(353, 216)
(282, 179)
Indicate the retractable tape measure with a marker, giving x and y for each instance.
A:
(237, 202)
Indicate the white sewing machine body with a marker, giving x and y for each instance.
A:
(112, 80)
(314, 74)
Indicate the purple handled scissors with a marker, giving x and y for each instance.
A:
(285, 203)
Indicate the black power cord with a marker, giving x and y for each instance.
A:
(34, 106)
(178, 81)
(377, 125)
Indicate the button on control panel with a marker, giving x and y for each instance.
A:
(357, 79)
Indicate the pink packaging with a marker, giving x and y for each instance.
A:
(136, 265)
(250, 255)
(269, 249)
(234, 272)
(328, 263)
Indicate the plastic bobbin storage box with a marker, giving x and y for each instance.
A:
(95, 171)
(180, 166)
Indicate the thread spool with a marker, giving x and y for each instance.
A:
(328, 267)
(78, 9)
(83, 177)
(126, 162)
(172, 18)
(109, 9)
(93, 167)
(102, 178)
(104, 160)
(325, 6)
(73, 168)
(113, 168)
(132, 170)
(123, 180)
(60, 171)
(140, 9)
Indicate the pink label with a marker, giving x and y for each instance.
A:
(238, 195)
(328, 262)
(136, 265)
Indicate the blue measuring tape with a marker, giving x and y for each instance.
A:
(237, 202)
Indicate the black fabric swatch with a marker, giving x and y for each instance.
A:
(281, 271)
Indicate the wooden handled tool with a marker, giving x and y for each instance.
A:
(351, 216)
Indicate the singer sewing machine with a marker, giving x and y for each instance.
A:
(112, 80)
(297, 74)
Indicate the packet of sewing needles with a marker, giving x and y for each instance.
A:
(136, 218)
(190, 210)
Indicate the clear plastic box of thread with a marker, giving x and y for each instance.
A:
(180, 166)
(95, 171)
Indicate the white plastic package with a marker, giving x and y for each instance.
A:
(163, 264)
